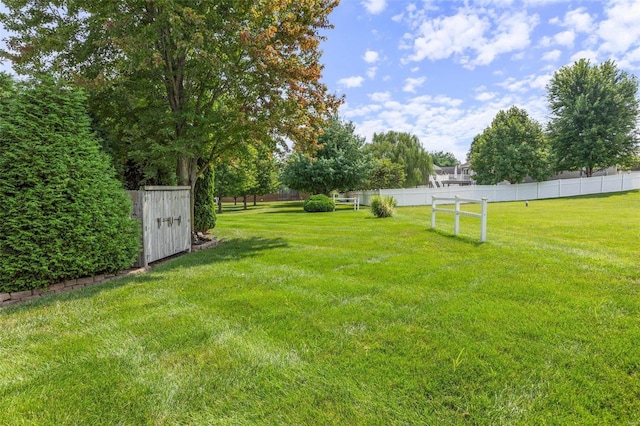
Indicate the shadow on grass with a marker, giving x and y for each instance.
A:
(286, 204)
(603, 195)
(462, 238)
(230, 250)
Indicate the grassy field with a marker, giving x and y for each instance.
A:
(341, 318)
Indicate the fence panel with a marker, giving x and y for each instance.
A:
(165, 212)
(518, 192)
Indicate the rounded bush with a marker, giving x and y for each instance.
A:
(383, 206)
(319, 203)
(65, 215)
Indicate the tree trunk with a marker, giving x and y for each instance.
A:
(244, 201)
(254, 199)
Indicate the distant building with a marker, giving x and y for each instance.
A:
(453, 175)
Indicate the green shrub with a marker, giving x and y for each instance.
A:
(383, 206)
(319, 203)
(205, 206)
(64, 214)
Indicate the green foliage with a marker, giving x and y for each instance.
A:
(405, 149)
(319, 203)
(339, 164)
(267, 171)
(512, 148)
(444, 159)
(236, 175)
(382, 206)
(65, 215)
(594, 113)
(174, 82)
(386, 174)
(205, 206)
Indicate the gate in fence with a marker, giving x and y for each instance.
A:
(165, 213)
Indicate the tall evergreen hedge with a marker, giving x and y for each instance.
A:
(64, 214)
(205, 206)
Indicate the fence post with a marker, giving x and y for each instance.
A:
(433, 212)
(456, 226)
(483, 221)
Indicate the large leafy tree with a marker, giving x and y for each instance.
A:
(267, 169)
(386, 174)
(594, 116)
(177, 81)
(339, 164)
(512, 148)
(444, 159)
(236, 175)
(405, 149)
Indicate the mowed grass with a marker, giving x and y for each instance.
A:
(341, 318)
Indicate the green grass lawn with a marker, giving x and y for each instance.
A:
(341, 318)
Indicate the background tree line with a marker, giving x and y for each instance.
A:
(593, 126)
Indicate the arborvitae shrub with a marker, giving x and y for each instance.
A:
(383, 206)
(319, 203)
(64, 214)
(205, 206)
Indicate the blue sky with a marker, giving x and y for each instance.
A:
(442, 69)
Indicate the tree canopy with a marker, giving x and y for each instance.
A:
(511, 148)
(594, 116)
(176, 81)
(339, 164)
(444, 159)
(405, 149)
(385, 174)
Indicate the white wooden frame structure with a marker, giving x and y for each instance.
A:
(457, 212)
(347, 200)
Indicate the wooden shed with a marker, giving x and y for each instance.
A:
(166, 221)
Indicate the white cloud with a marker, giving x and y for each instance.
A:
(485, 96)
(579, 20)
(371, 72)
(380, 96)
(362, 111)
(526, 84)
(621, 29)
(411, 84)
(563, 38)
(375, 6)
(472, 37)
(439, 122)
(442, 37)
(350, 82)
(552, 55)
(371, 56)
(585, 54)
(511, 35)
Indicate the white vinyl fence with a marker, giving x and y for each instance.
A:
(518, 192)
